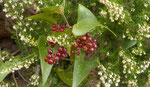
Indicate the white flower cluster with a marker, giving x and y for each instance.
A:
(7, 84)
(16, 11)
(141, 67)
(115, 10)
(146, 17)
(62, 40)
(142, 32)
(103, 13)
(34, 79)
(145, 5)
(19, 65)
(107, 77)
(128, 63)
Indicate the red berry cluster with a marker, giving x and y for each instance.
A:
(58, 27)
(52, 58)
(86, 43)
(52, 44)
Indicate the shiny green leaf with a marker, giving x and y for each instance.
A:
(86, 21)
(82, 69)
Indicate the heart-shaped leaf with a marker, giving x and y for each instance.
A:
(82, 68)
(86, 21)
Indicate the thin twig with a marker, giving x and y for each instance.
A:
(22, 77)
(13, 75)
(14, 53)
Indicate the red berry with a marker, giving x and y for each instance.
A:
(94, 40)
(54, 25)
(46, 59)
(57, 30)
(63, 27)
(94, 45)
(49, 42)
(58, 54)
(63, 55)
(77, 48)
(88, 34)
(60, 49)
(91, 50)
(49, 56)
(83, 38)
(80, 45)
(53, 45)
(85, 48)
(78, 53)
(54, 54)
(78, 40)
(72, 51)
(54, 29)
(61, 30)
(56, 58)
(50, 51)
(89, 45)
(66, 54)
(64, 50)
(50, 61)
(90, 39)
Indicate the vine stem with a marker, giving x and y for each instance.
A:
(65, 16)
(22, 77)
(13, 75)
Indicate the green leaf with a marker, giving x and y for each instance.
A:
(45, 67)
(86, 21)
(9, 64)
(65, 76)
(128, 43)
(82, 68)
(44, 16)
(52, 9)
